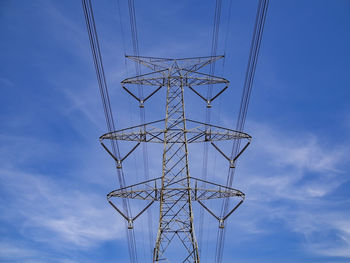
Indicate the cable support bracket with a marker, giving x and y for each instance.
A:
(141, 100)
(232, 161)
(119, 161)
(210, 100)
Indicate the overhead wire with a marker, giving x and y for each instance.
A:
(122, 33)
(214, 47)
(248, 84)
(227, 35)
(214, 44)
(136, 52)
(103, 88)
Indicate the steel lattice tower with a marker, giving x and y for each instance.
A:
(175, 190)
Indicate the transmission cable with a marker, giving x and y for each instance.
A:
(136, 52)
(227, 35)
(248, 84)
(214, 46)
(100, 73)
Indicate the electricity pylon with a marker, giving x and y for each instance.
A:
(175, 190)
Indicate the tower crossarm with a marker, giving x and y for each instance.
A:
(147, 190)
(192, 78)
(205, 190)
(156, 63)
(201, 190)
(148, 132)
(189, 78)
(196, 132)
(151, 79)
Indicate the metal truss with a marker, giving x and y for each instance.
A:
(151, 132)
(175, 190)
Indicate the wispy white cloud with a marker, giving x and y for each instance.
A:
(57, 213)
(332, 246)
(10, 251)
(291, 179)
(293, 166)
(19, 252)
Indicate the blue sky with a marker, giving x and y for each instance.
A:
(54, 175)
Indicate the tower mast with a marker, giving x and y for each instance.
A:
(176, 216)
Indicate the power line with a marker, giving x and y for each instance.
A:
(101, 78)
(248, 84)
(136, 52)
(214, 46)
(226, 35)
